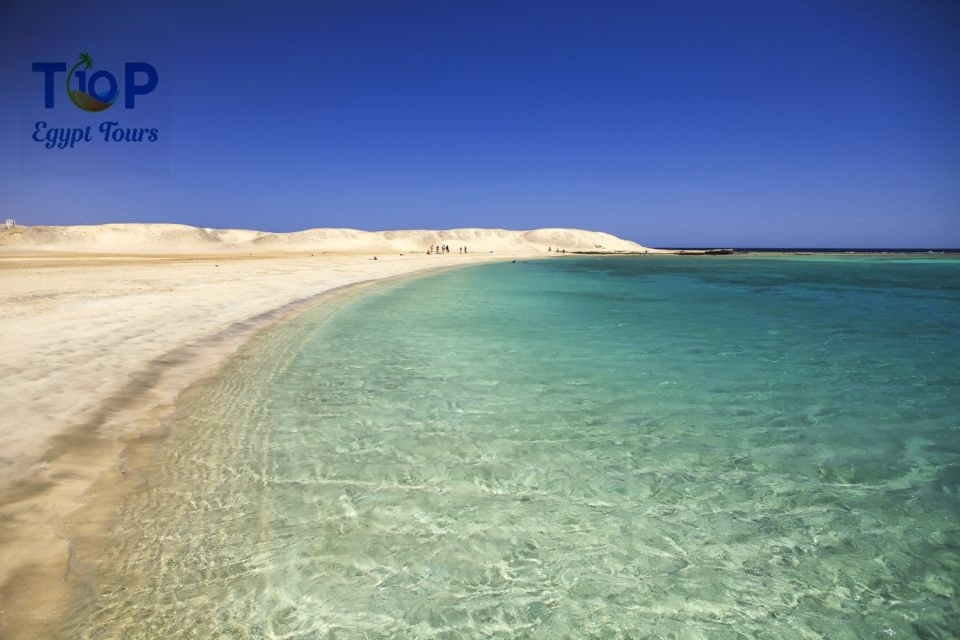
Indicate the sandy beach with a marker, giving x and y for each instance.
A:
(104, 326)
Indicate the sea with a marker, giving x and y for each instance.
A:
(709, 447)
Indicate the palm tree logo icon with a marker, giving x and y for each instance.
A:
(86, 97)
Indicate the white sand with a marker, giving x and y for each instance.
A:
(103, 326)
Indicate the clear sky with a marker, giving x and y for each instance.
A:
(714, 123)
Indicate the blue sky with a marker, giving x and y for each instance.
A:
(807, 123)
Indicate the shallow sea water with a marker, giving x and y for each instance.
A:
(567, 448)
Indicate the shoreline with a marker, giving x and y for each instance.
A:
(70, 468)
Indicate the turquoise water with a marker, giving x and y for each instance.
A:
(569, 448)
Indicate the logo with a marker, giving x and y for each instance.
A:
(99, 111)
(94, 91)
(99, 90)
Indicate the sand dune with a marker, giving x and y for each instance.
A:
(184, 239)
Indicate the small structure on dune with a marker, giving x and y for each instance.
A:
(10, 223)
